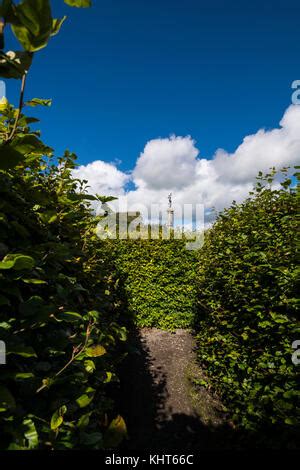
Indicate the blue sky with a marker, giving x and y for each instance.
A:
(128, 71)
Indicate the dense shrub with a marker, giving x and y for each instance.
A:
(159, 281)
(59, 299)
(248, 315)
(58, 313)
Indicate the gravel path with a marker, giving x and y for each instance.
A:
(162, 407)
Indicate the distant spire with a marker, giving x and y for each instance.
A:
(170, 212)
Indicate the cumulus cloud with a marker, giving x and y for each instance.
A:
(162, 155)
(260, 151)
(174, 164)
(103, 178)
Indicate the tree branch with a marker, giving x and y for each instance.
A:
(75, 353)
(21, 104)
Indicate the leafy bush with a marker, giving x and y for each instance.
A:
(59, 299)
(159, 281)
(58, 311)
(248, 315)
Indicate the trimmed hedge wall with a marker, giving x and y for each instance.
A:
(249, 315)
(160, 282)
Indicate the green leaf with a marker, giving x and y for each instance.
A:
(31, 433)
(18, 262)
(48, 217)
(24, 121)
(28, 144)
(84, 420)
(7, 401)
(38, 102)
(122, 333)
(23, 375)
(34, 23)
(14, 446)
(34, 281)
(9, 157)
(79, 3)
(36, 309)
(108, 378)
(116, 432)
(58, 418)
(201, 382)
(89, 366)
(56, 25)
(83, 196)
(24, 351)
(279, 318)
(69, 316)
(95, 351)
(85, 399)
(94, 314)
(91, 439)
(291, 421)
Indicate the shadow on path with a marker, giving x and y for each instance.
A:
(157, 405)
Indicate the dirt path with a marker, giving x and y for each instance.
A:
(162, 406)
(172, 354)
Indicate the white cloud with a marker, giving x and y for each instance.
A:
(103, 178)
(166, 163)
(173, 164)
(260, 151)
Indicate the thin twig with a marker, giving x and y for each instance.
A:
(21, 104)
(75, 353)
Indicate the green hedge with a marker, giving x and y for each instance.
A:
(59, 299)
(248, 314)
(59, 307)
(159, 279)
